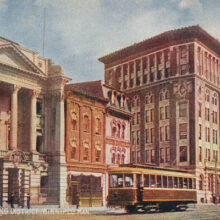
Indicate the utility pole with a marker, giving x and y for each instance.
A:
(44, 28)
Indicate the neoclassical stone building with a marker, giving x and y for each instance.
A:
(32, 156)
(173, 81)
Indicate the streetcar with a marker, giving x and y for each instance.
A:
(147, 187)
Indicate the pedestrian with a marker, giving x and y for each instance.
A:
(12, 198)
(77, 200)
(28, 201)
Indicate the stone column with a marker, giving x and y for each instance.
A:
(14, 118)
(33, 114)
(163, 65)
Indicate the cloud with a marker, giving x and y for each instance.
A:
(3, 5)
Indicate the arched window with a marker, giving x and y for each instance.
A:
(86, 150)
(122, 159)
(97, 152)
(74, 120)
(118, 158)
(98, 126)
(123, 131)
(114, 129)
(86, 123)
(113, 158)
(73, 144)
(119, 130)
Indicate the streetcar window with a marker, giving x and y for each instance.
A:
(170, 181)
(180, 182)
(185, 186)
(129, 182)
(138, 180)
(175, 182)
(164, 181)
(146, 180)
(115, 180)
(152, 181)
(190, 183)
(159, 182)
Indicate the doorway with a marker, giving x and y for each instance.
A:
(13, 184)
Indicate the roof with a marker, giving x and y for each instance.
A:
(90, 88)
(93, 87)
(185, 33)
(128, 168)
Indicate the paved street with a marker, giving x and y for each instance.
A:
(205, 212)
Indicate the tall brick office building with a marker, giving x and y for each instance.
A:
(173, 81)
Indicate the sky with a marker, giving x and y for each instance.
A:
(78, 32)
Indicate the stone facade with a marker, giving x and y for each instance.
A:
(173, 82)
(31, 127)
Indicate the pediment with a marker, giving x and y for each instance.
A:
(11, 56)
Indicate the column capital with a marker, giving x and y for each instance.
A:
(34, 93)
(15, 88)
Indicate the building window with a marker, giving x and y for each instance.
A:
(113, 158)
(97, 153)
(161, 96)
(122, 159)
(123, 131)
(162, 155)
(183, 131)
(73, 144)
(98, 126)
(183, 69)
(133, 156)
(119, 130)
(207, 114)
(133, 137)
(200, 131)
(39, 142)
(167, 112)
(200, 154)
(201, 182)
(44, 184)
(39, 107)
(200, 110)
(152, 115)
(138, 137)
(167, 136)
(167, 154)
(161, 113)
(86, 123)
(74, 120)
(86, 151)
(152, 135)
(183, 153)
(147, 136)
(161, 133)
(183, 109)
(166, 95)
(152, 156)
(147, 116)
(138, 117)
